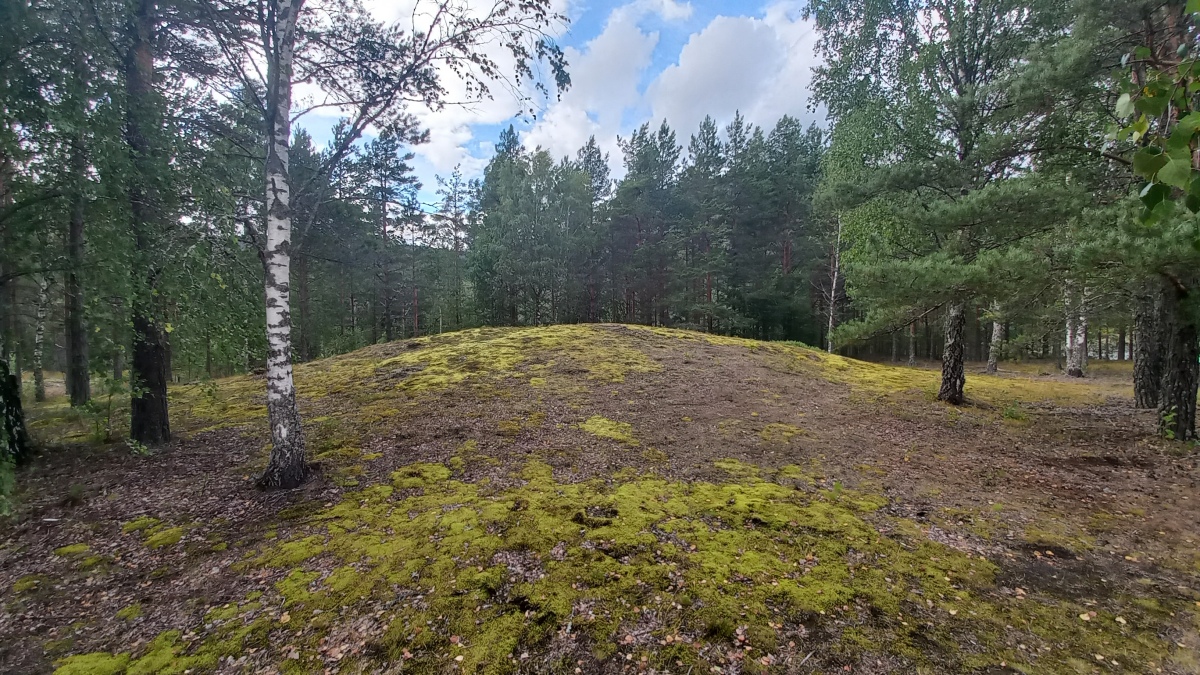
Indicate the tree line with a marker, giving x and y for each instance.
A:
(996, 179)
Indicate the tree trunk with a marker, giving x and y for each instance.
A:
(1121, 343)
(39, 338)
(287, 467)
(1076, 323)
(119, 343)
(912, 344)
(148, 420)
(1147, 346)
(1180, 369)
(837, 260)
(14, 440)
(77, 378)
(997, 339)
(12, 332)
(953, 372)
(895, 346)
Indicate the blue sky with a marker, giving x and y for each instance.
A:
(634, 61)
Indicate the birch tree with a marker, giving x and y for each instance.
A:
(1074, 305)
(39, 336)
(373, 73)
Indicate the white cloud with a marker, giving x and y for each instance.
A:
(669, 10)
(604, 80)
(758, 65)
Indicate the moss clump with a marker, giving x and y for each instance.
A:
(164, 657)
(130, 612)
(93, 562)
(96, 663)
(140, 524)
(167, 536)
(30, 582)
(779, 433)
(72, 550)
(602, 427)
(419, 475)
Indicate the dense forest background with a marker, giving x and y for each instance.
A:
(996, 180)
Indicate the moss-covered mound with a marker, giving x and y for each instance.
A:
(604, 499)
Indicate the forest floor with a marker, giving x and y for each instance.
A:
(610, 499)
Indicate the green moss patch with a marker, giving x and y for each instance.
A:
(140, 524)
(130, 612)
(602, 427)
(31, 582)
(657, 571)
(93, 664)
(72, 550)
(167, 536)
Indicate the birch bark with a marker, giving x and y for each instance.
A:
(287, 467)
(39, 338)
(1076, 324)
(837, 260)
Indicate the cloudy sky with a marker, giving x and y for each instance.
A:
(635, 61)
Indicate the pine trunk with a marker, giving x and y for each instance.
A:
(1147, 345)
(1181, 368)
(39, 338)
(997, 340)
(77, 380)
(148, 420)
(287, 467)
(953, 370)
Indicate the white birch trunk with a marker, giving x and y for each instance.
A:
(912, 343)
(997, 339)
(39, 338)
(287, 467)
(1076, 324)
(837, 259)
